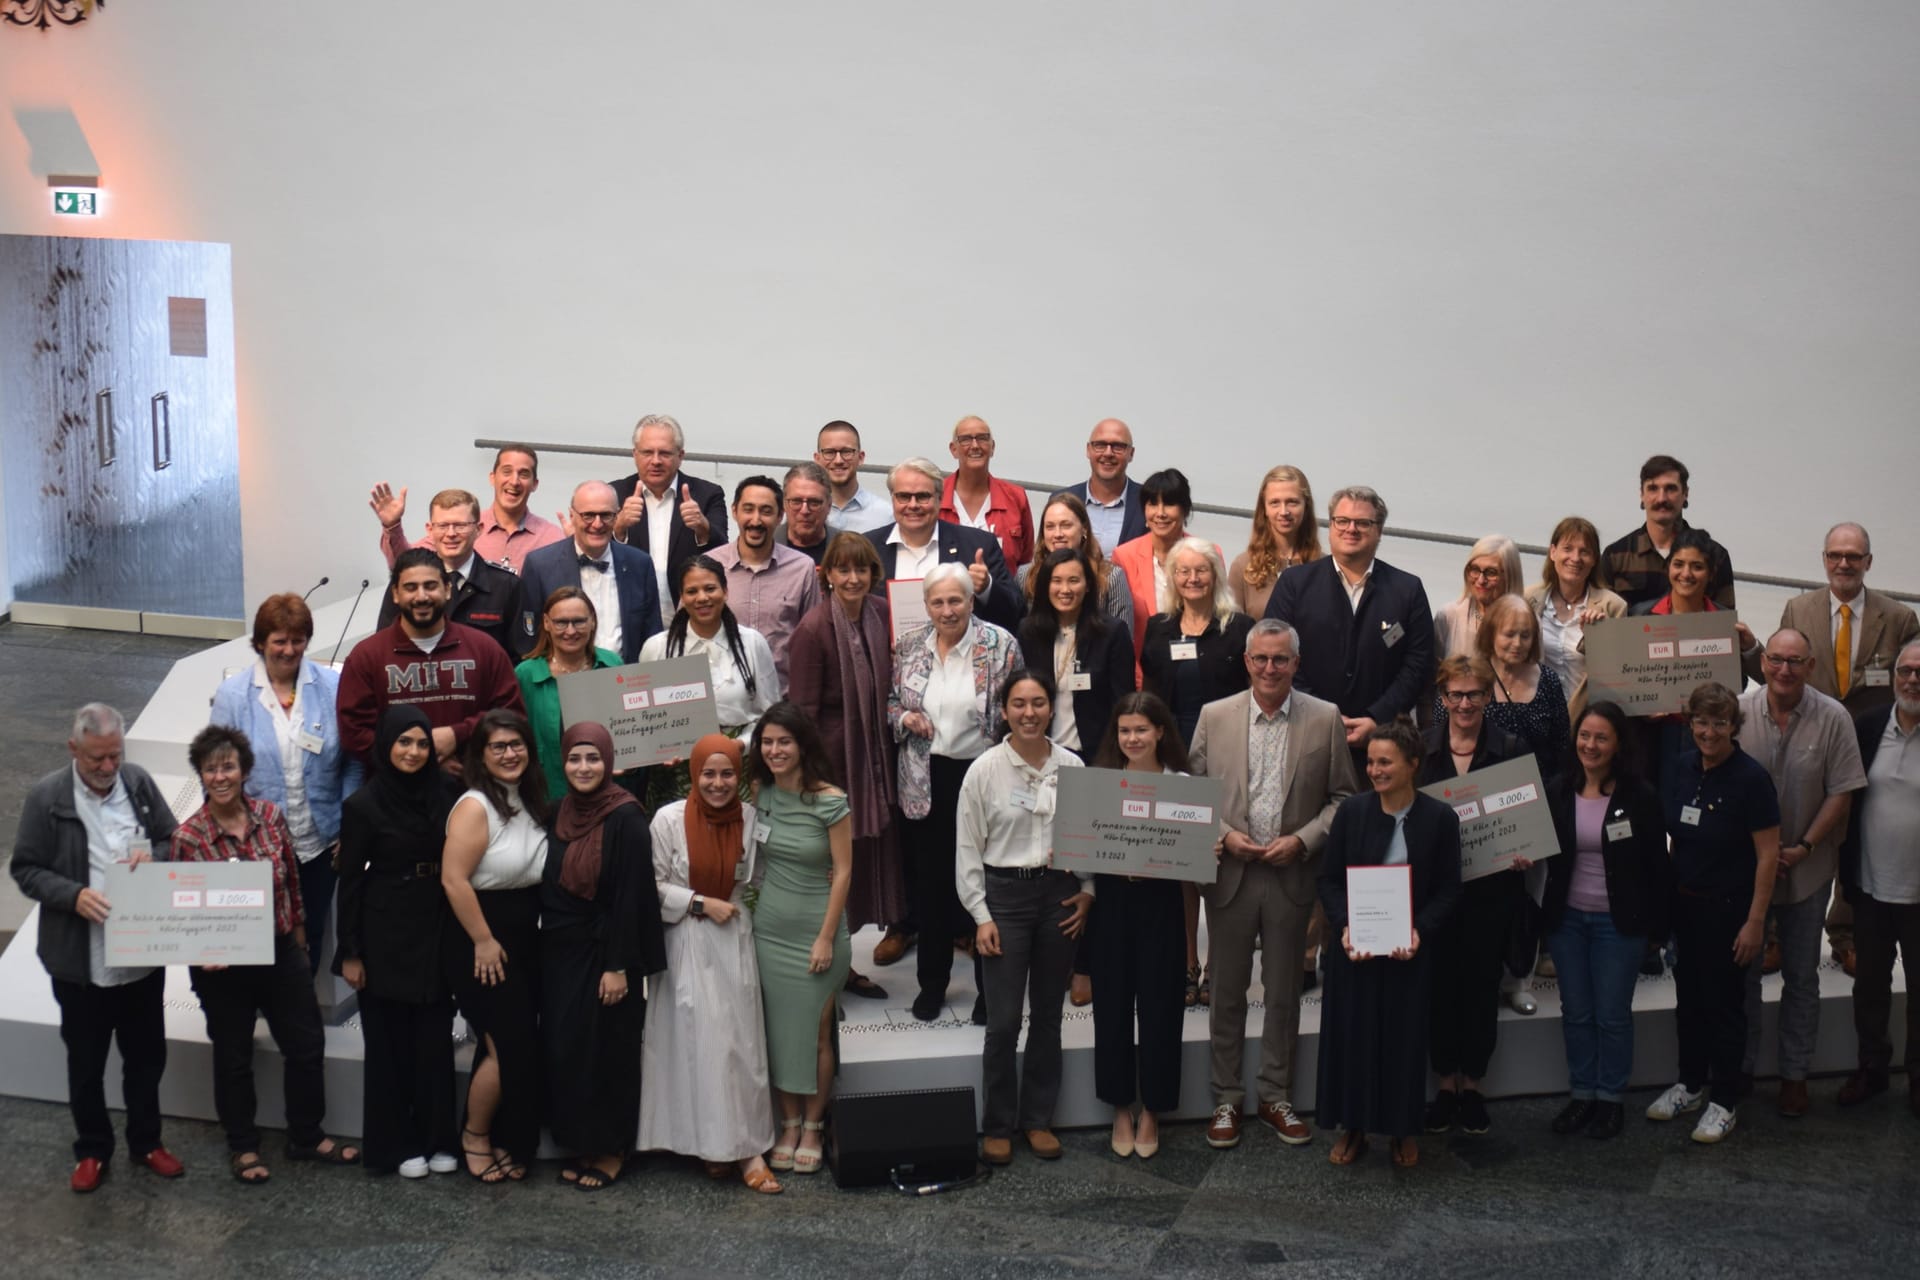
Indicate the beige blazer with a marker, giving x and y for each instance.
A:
(1883, 625)
(1615, 607)
(1319, 776)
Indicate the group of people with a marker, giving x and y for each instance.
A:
(653, 959)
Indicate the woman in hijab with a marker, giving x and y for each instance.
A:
(599, 935)
(704, 1061)
(392, 915)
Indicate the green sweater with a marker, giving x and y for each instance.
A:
(540, 690)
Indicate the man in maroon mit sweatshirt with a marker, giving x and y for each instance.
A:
(451, 672)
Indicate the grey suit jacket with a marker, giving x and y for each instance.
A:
(1319, 776)
(1883, 626)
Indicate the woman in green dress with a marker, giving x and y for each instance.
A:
(567, 628)
(799, 923)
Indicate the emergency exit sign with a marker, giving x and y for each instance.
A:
(78, 204)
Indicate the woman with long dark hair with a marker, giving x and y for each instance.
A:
(495, 855)
(1064, 523)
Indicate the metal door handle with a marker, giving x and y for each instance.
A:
(161, 410)
(103, 425)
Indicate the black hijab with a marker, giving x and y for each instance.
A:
(408, 804)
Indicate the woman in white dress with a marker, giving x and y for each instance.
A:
(745, 680)
(703, 1067)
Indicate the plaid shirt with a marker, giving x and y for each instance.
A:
(1638, 573)
(201, 839)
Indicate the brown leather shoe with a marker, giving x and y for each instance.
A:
(894, 945)
(1292, 1129)
(1043, 1143)
(1794, 1101)
(996, 1150)
(1224, 1132)
(1081, 993)
(1862, 1085)
(1769, 958)
(1845, 957)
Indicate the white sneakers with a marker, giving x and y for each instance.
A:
(1676, 1101)
(421, 1166)
(1714, 1125)
(416, 1167)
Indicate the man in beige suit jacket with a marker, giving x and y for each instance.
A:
(1282, 757)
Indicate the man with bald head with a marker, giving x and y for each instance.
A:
(972, 497)
(1112, 499)
(1805, 741)
(618, 578)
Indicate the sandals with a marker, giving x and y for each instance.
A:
(1193, 986)
(494, 1172)
(594, 1178)
(1206, 990)
(781, 1157)
(1406, 1153)
(805, 1161)
(241, 1163)
(1350, 1148)
(762, 1181)
(321, 1154)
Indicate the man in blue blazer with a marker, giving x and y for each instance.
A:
(1112, 500)
(918, 539)
(618, 579)
(1366, 632)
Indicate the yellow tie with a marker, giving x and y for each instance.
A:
(1843, 651)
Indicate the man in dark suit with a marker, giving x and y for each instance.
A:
(670, 516)
(1112, 500)
(918, 539)
(618, 579)
(482, 596)
(1366, 633)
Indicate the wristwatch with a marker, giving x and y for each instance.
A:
(699, 906)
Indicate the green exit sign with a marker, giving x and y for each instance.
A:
(78, 204)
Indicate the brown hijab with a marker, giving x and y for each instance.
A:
(582, 818)
(713, 833)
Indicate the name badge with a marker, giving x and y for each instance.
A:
(1876, 677)
(1022, 799)
(1690, 815)
(1079, 682)
(1393, 634)
(760, 832)
(740, 870)
(1185, 651)
(307, 740)
(1621, 830)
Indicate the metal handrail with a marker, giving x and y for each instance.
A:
(1208, 508)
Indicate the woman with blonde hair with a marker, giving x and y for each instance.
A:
(1492, 570)
(1284, 534)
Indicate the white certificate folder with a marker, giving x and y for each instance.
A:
(1380, 909)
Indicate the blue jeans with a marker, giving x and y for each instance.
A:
(1598, 968)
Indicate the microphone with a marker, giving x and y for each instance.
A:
(324, 580)
(364, 584)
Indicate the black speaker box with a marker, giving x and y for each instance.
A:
(927, 1134)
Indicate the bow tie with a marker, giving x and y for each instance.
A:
(587, 561)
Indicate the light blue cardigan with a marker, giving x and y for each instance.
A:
(330, 775)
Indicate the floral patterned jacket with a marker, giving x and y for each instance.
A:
(996, 656)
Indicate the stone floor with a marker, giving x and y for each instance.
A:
(1832, 1195)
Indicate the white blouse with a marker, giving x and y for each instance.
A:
(1005, 819)
(731, 701)
(516, 851)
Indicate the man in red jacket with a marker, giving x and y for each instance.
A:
(452, 673)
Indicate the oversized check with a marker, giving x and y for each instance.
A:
(1650, 664)
(1380, 909)
(907, 602)
(1133, 823)
(1503, 816)
(190, 913)
(655, 711)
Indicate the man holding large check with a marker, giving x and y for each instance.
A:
(1282, 761)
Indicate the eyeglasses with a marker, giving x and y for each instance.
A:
(594, 517)
(1707, 724)
(1791, 664)
(451, 526)
(1264, 660)
(805, 504)
(1907, 673)
(913, 499)
(1463, 697)
(500, 750)
(1479, 574)
(1108, 446)
(1358, 524)
(570, 624)
(1192, 575)
(837, 454)
(1843, 557)
(972, 441)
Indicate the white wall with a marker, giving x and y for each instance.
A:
(1484, 255)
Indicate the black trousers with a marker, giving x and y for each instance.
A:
(1035, 962)
(408, 1080)
(1135, 945)
(928, 845)
(91, 1020)
(1468, 957)
(1878, 928)
(507, 1013)
(317, 882)
(1711, 995)
(282, 992)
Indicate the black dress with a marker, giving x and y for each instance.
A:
(1373, 1013)
(592, 1050)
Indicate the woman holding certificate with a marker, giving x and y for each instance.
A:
(1136, 944)
(1469, 953)
(1724, 820)
(600, 936)
(745, 680)
(1571, 596)
(948, 680)
(234, 827)
(495, 854)
(568, 626)
(1373, 1020)
(1027, 916)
